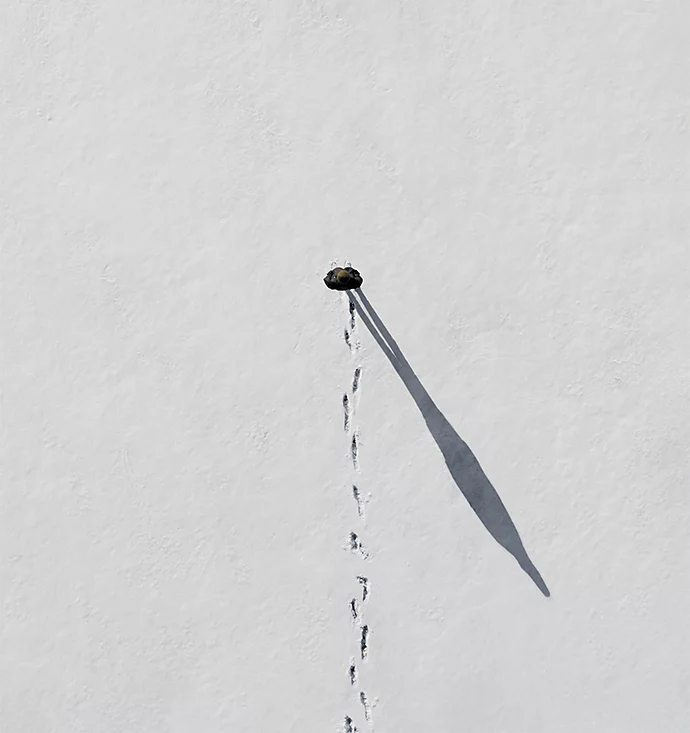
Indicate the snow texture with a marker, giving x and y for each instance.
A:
(233, 500)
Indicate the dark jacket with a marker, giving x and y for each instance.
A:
(349, 280)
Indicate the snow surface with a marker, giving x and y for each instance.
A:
(176, 479)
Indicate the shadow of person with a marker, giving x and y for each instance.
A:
(461, 462)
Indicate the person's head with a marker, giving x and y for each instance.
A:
(343, 277)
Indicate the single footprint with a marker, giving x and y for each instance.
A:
(358, 499)
(353, 673)
(350, 727)
(364, 642)
(357, 546)
(356, 378)
(346, 412)
(366, 706)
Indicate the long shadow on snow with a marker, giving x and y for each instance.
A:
(461, 462)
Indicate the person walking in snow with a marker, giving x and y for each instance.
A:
(343, 278)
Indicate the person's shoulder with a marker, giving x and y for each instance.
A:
(354, 274)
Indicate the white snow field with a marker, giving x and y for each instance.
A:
(182, 519)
